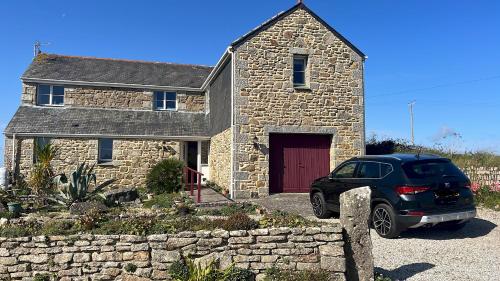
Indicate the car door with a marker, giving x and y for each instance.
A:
(368, 174)
(339, 181)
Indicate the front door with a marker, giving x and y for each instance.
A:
(192, 156)
(296, 160)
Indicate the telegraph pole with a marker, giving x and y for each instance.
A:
(411, 104)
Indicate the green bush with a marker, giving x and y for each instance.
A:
(488, 198)
(276, 274)
(59, 227)
(165, 177)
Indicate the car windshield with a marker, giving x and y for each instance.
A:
(430, 169)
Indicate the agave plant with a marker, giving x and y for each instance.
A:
(77, 188)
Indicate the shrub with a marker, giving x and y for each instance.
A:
(280, 218)
(236, 222)
(40, 180)
(178, 271)
(165, 177)
(231, 209)
(276, 274)
(59, 227)
(187, 270)
(77, 188)
(488, 197)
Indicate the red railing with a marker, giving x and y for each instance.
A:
(189, 174)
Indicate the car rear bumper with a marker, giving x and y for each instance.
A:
(413, 222)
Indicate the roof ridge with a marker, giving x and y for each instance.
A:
(125, 60)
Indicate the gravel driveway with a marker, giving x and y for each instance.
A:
(473, 253)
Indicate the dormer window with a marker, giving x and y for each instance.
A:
(50, 95)
(165, 101)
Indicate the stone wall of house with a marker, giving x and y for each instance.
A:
(116, 98)
(266, 101)
(220, 158)
(132, 158)
(107, 257)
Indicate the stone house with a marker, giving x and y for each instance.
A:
(284, 105)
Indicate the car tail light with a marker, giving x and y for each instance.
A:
(406, 190)
(415, 213)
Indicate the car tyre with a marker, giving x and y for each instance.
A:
(384, 221)
(319, 206)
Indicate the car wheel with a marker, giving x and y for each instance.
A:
(319, 206)
(384, 221)
(452, 225)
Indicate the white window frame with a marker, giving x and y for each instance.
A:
(164, 107)
(51, 95)
(305, 59)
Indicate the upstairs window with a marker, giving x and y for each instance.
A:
(105, 151)
(299, 70)
(165, 101)
(50, 95)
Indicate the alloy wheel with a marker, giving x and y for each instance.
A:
(382, 221)
(317, 206)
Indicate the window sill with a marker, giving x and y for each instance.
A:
(107, 164)
(301, 88)
(51, 105)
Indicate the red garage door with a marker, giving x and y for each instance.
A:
(296, 160)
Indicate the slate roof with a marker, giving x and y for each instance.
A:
(87, 69)
(92, 121)
(281, 15)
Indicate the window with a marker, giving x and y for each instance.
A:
(50, 95)
(40, 143)
(423, 169)
(346, 171)
(105, 151)
(299, 70)
(205, 148)
(165, 101)
(385, 169)
(369, 170)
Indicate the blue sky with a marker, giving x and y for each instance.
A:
(443, 54)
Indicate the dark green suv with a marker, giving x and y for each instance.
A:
(408, 191)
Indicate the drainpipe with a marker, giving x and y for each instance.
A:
(13, 161)
(233, 71)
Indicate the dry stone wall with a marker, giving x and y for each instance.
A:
(266, 100)
(132, 158)
(220, 158)
(116, 98)
(105, 257)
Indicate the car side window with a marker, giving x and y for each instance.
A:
(346, 171)
(385, 169)
(369, 170)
